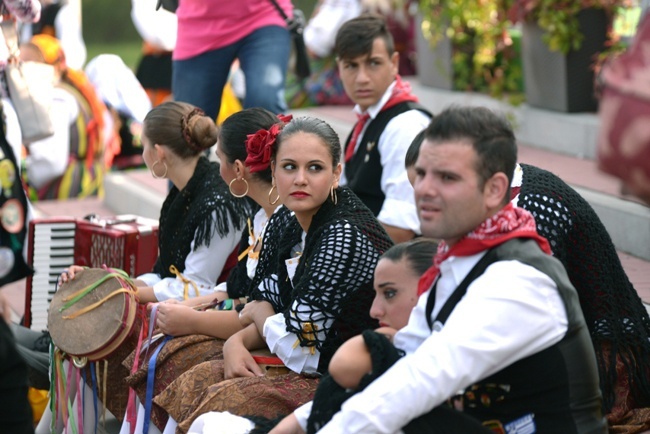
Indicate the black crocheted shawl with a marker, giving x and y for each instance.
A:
(239, 284)
(617, 320)
(334, 277)
(195, 213)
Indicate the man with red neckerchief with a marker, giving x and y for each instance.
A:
(498, 319)
(389, 119)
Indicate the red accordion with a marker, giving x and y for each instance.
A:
(127, 242)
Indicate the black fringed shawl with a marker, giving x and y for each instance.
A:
(334, 278)
(202, 208)
(612, 308)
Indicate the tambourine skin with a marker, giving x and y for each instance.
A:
(97, 333)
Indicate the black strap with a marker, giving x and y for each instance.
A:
(277, 6)
(459, 292)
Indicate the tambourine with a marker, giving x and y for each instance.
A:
(271, 364)
(91, 315)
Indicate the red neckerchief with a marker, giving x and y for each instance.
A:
(401, 93)
(510, 222)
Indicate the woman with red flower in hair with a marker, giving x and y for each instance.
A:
(315, 294)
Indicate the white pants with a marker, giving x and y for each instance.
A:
(170, 428)
(88, 414)
(216, 422)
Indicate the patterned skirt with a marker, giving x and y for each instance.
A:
(176, 357)
(203, 389)
(626, 416)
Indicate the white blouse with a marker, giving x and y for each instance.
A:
(203, 266)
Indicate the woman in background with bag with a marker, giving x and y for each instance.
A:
(213, 33)
(24, 11)
(73, 160)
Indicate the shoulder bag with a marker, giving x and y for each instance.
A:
(30, 86)
(168, 5)
(296, 26)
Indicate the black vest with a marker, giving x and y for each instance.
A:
(557, 387)
(363, 171)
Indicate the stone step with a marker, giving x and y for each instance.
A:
(135, 192)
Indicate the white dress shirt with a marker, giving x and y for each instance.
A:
(398, 208)
(511, 312)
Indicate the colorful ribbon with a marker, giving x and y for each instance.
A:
(186, 282)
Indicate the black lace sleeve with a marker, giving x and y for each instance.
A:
(329, 396)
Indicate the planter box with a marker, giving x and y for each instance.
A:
(433, 63)
(560, 82)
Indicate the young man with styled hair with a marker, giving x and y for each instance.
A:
(389, 118)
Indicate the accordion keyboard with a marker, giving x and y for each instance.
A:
(52, 251)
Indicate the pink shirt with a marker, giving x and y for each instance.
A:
(205, 25)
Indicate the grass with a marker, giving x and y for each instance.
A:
(128, 51)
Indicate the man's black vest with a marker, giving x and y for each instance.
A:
(555, 389)
(363, 171)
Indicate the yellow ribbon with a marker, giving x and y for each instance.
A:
(186, 283)
(98, 303)
(250, 250)
(243, 254)
(309, 334)
(60, 384)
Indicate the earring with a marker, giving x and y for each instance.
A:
(333, 195)
(273, 187)
(153, 172)
(233, 193)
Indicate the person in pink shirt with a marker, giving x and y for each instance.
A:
(213, 33)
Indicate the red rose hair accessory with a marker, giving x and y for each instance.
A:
(186, 128)
(259, 146)
(285, 118)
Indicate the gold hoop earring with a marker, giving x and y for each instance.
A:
(239, 196)
(333, 195)
(153, 172)
(273, 187)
